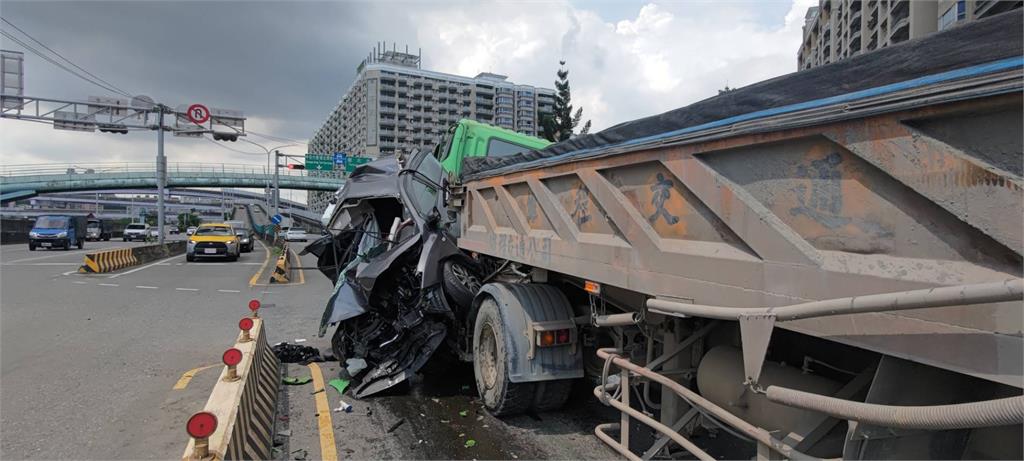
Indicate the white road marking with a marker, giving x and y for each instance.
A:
(187, 289)
(229, 291)
(80, 282)
(62, 253)
(43, 264)
(108, 284)
(146, 287)
(143, 267)
(267, 292)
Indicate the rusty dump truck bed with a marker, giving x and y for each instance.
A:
(910, 186)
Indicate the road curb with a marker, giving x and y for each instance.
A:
(245, 406)
(120, 258)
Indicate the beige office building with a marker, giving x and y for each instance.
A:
(838, 29)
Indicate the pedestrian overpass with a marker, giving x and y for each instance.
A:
(28, 180)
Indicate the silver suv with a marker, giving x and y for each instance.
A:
(136, 232)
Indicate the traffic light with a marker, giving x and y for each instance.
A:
(225, 136)
(296, 166)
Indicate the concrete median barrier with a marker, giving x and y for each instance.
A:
(120, 258)
(282, 269)
(242, 405)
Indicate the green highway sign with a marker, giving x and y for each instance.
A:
(353, 162)
(317, 162)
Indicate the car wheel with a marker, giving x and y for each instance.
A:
(31, 247)
(500, 395)
(124, 239)
(461, 282)
(190, 257)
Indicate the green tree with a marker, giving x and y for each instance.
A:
(186, 220)
(560, 125)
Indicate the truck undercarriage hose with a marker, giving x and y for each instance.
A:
(695, 399)
(998, 412)
(961, 295)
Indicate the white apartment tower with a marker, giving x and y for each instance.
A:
(395, 106)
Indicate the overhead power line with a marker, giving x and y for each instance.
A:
(94, 79)
(274, 138)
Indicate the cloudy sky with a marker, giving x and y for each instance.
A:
(286, 64)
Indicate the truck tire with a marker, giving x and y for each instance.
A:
(125, 239)
(461, 283)
(81, 244)
(500, 396)
(552, 395)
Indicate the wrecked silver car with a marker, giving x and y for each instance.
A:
(387, 226)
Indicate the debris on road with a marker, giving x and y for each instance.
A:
(354, 366)
(296, 380)
(300, 340)
(339, 384)
(292, 353)
(396, 425)
(470, 443)
(464, 413)
(300, 454)
(344, 407)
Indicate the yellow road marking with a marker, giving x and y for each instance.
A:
(188, 375)
(298, 263)
(302, 276)
(256, 276)
(328, 452)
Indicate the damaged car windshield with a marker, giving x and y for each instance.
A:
(422, 187)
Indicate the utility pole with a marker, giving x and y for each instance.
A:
(161, 173)
(277, 187)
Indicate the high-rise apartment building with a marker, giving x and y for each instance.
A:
(396, 106)
(838, 29)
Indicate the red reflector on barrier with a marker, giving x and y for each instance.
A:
(245, 324)
(232, 357)
(254, 304)
(563, 336)
(201, 425)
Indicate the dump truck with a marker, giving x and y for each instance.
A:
(825, 264)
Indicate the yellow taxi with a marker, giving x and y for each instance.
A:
(213, 241)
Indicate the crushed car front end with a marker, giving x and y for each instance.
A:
(386, 236)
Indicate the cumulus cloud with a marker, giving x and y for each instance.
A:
(656, 61)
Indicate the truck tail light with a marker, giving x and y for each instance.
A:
(550, 338)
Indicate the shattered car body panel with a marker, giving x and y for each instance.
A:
(386, 238)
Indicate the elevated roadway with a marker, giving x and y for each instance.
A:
(23, 181)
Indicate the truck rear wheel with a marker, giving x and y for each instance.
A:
(552, 395)
(81, 244)
(500, 396)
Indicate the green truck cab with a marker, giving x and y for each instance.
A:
(469, 138)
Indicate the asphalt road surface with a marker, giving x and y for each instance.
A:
(89, 364)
